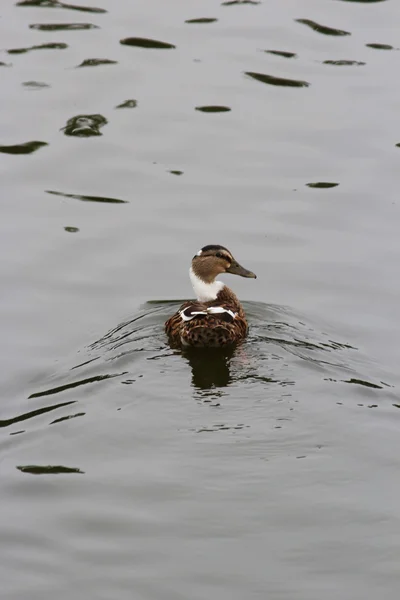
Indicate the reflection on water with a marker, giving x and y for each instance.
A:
(277, 340)
(322, 28)
(86, 198)
(265, 365)
(380, 46)
(95, 62)
(51, 46)
(201, 20)
(234, 2)
(210, 368)
(85, 125)
(282, 53)
(25, 148)
(322, 184)
(146, 43)
(47, 469)
(213, 108)
(344, 63)
(35, 85)
(33, 413)
(128, 104)
(62, 26)
(281, 81)
(57, 4)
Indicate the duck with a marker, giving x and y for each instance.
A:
(216, 318)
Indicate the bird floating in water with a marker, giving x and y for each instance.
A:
(216, 319)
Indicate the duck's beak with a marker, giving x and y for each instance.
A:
(237, 269)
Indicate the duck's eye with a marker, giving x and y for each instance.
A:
(219, 255)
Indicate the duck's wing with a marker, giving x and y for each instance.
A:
(206, 324)
(197, 310)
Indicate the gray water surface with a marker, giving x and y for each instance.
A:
(133, 134)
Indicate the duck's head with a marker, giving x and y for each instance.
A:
(212, 260)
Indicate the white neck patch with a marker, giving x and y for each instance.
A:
(205, 291)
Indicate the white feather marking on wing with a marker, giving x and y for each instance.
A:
(211, 310)
(215, 310)
(191, 315)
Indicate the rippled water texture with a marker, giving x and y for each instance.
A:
(132, 470)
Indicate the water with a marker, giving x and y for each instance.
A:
(132, 470)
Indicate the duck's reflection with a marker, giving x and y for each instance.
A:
(210, 367)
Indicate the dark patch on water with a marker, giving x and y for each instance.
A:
(380, 46)
(210, 367)
(56, 4)
(344, 63)
(86, 198)
(33, 413)
(237, 2)
(67, 418)
(17, 432)
(282, 53)
(47, 469)
(85, 125)
(71, 229)
(221, 427)
(74, 384)
(95, 62)
(364, 383)
(3, 64)
(128, 104)
(213, 108)
(322, 184)
(52, 46)
(280, 81)
(146, 43)
(201, 20)
(62, 26)
(364, 1)
(25, 148)
(322, 28)
(35, 85)
(175, 172)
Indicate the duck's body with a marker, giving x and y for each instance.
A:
(216, 318)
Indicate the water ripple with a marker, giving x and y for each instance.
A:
(47, 469)
(85, 125)
(95, 62)
(56, 4)
(146, 43)
(128, 104)
(25, 148)
(344, 63)
(74, 384)
(51, 46)
(236, 2)
(380, 46)
(280, 81)
(282, 53)
(201, 20)
(213, 108)
(34, 413)
(322, 28)
(86, 198)
(62, 26)
(322, 184)
(35, 85)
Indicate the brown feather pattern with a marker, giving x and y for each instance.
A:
(211, 330)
